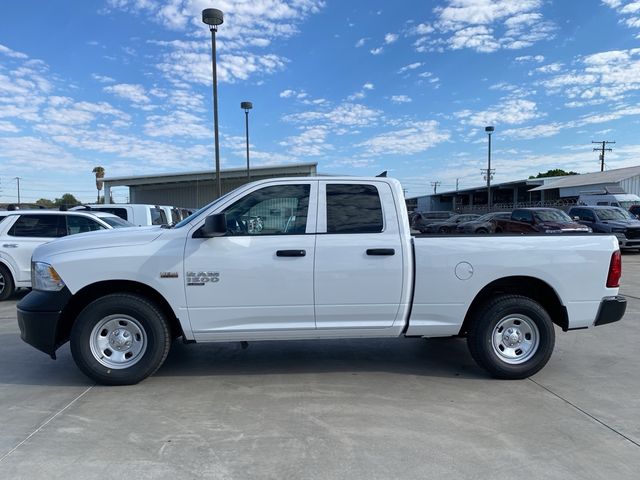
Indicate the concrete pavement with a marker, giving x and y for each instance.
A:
(370, 409)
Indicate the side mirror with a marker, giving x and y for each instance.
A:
(214, 226)
(576, 218)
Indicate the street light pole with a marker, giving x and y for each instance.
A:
(17, 179)
(246, 106)
(489, 131)
(214, 17)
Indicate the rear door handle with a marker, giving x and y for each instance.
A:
(381, 251)
(291, 253)
(10, 245)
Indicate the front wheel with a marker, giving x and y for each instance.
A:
(120, 339)
(512, 337)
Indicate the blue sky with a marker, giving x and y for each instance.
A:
(358, 86)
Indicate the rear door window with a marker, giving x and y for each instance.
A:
(353, 208)
(522, 216)
(40, 226)
(78, 224)
(158, 217)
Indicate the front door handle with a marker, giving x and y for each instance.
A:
(291, 253)
(10, 245)
(381, 251)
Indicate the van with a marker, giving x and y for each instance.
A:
(138, 214)
(623, 200)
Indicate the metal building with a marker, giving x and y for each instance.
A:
(195, 189)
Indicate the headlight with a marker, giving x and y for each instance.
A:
(45, 277)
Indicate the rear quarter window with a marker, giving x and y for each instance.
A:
(39, 226)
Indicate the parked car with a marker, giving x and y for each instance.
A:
(347, 268)
(483, 224)
(635, 210)
(449, 225)
(21, 231)
(539, 220)
(614, 220)
(138, 214)
(421, 220)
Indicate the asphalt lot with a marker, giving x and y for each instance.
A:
(379, 409)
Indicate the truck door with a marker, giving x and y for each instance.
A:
(359, 257)
(259, 277)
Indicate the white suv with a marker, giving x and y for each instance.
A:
(21, 231)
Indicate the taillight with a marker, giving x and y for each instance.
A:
(615, 270)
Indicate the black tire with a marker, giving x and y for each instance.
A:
(7, 285)
(503, 310)
(443, 230)
(136, 315)
(482, 231)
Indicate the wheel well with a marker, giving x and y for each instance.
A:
(530, 287)
(89, 293)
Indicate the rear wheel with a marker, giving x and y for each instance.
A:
(443, 230)
(511, 337)
(120, 339)
(482, 230)
(7, 286)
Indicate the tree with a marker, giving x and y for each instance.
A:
(556, 172)
(45, 202)
(68, 200)
(99, 171)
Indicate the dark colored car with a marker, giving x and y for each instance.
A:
(615, 220)
(449, 225)
(539, 220)
(484, 224)
(635, 210)
(421, 220)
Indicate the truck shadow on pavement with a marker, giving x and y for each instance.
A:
(445, 357)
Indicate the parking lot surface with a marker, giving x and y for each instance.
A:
(370, 409)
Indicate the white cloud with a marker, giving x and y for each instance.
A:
(8, 127)
(368, 86)
(311, 142)
(176, 124)
(390, 38)
(484, 26)
(361, 42)
(102, 78)
(415, 138)
(511, 112)
(550, 68)
(411, 66)
(400, 99)
(530, 58)
(11, 53)
(376, 51)
(129, 91)
(347, 114)
(628, 11)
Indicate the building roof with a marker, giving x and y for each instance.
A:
(587, 179)
(210, 174)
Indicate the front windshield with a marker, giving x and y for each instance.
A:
(552, 216)
(116, 222)
(199, 212)
(614, 214)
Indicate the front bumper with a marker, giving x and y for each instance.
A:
(611, 310)
(39, 319)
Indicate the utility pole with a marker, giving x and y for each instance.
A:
(457, 180)
(602, 149)
(435, 187)
(17, 179)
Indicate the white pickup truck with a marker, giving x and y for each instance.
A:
(335, 259)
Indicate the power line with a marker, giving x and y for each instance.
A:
(602, 149)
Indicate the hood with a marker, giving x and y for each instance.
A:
(622, 223)
(563, 226)
(117, 237)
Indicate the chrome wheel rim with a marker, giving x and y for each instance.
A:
(515, 339)
(2, 282)
(118, 341)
